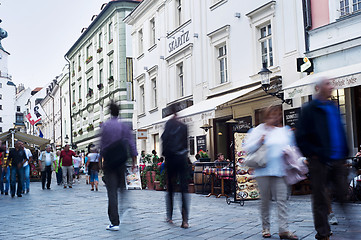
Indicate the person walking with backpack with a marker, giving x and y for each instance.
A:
(116, 141)
(175, 150)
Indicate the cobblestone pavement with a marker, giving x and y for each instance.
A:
(78, 213)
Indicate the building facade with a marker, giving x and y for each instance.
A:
(100, 72)
(204, 56)
(22, 96)
(65, 106)
(333, 44)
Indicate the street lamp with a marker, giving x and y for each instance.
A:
(266, 85)
(66, 139)
(206, 127)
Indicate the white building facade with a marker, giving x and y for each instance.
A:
(101, 72)
(204, 56)
(65, 106)
(22, 97)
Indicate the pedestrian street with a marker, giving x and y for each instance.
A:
(79, 213)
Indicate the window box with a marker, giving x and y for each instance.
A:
(100, 86)
(74, 104)
(89, 59)
(80, 131)
(79, 69)
(90, 93)
(73, 74)
(110, 41)
(111, 79)
(79, 101)
(90, 127)
(99, 50)
(75, 134)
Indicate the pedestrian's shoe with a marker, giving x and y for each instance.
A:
(288, 235)
(48, 188)
(12, 195)
(2, 192)
(6, 193)
(185, 225)
(19, 195)
(113, 228)
(64, 186)
(266, 233)
(70, 186)
(27, 191)
(332, 220)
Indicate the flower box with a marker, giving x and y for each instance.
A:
(110, 79)
(110, 41)
(80, 131)
(90, 93)
(89, 59)
(79, 69)
(75, 134)
(73, 74)
(99, 50)
(90, 127)
(100, 86)
(74, 104)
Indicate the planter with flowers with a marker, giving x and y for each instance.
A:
(80, 131)
(99, 50)
(90, 127)
(79, 69)
(75, 134)
(111, 79)
(100, 86)
(89, 59)
(110, 41)
(90, 93)
(74, 104)
(73, 73)
(204, 156)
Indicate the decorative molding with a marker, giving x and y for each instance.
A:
(217, 4)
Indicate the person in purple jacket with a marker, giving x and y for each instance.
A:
(114, 133)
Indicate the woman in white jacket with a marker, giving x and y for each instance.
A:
(270, 179)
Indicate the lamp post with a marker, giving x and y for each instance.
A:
(206, 127)
(266, 85)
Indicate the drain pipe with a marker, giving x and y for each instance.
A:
(71, 121)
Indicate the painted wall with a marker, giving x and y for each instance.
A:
(320, 13)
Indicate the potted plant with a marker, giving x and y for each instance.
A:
(75, 134)
(90, 127)
(99, 50)
(90, 92)
(204, 156)
(100, 86)
(73, 74)
(89, 59)
(79, 69)
(160, 181)
(74, 104)
(79, 101)
(80, 131)
(149, 173)
(110, 79)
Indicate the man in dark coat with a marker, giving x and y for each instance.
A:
(321, 138)
(175, 150)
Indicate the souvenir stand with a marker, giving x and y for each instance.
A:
(245, 186)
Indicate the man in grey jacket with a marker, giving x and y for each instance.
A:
(46, 162)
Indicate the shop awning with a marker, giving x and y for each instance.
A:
(209, 105)
(30, 139)
(344, 77)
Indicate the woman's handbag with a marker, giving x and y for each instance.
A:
(257, 159)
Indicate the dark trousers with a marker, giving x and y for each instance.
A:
(325, 177)
(15, 171)
(177, 172)
(114, 181)
(46, 177)
(59, 176)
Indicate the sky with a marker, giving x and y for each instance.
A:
(40, 32)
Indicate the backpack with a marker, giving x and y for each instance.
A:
(116, 154)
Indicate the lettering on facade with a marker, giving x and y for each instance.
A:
(344, 82)
(295, 92)
(244, 125)
(178, 41)
(201, 143)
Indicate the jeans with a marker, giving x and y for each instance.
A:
(5, 172)
(59, 176)
(94, 176)
(26, 184)
(46, 177)
(114, 180)
(20, 173)
(275, 187)
(67, 170)
(177, 170)
(321, 175)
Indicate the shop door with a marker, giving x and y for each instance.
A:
(357, 114)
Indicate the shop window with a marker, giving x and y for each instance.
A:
(338, 96)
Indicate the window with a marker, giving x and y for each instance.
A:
(79, 96)
(1, 107)
(19, 118)
(222, 59)
(1, 85)
(178, 13)
(18, 109)
(142, 99)
(73, 66)
(1, 119)
(110, 30)
(79, 61)
(266, 45)
(89, 83)
(100, 76)
(1, 129)
(154, 92)
(100, 40)
(180, 79)
(349, 6)
(73, 96)
(152, 32)
(140, 37)
(1, 96)
(89, 51)
(111, 69)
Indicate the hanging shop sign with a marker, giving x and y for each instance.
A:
(291, 117)
(244, 124)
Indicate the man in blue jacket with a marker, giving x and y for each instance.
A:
(321, 137)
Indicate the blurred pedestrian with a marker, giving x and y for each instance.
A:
(46, 162)
(93, 164)
(116, 141)
(57, 169)
(66, 161)
(321, 138)
(17, 157)
(270, 179)
(2, 166)
(26, 166)
(5, 171)
(175, 151)
(77, 164)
